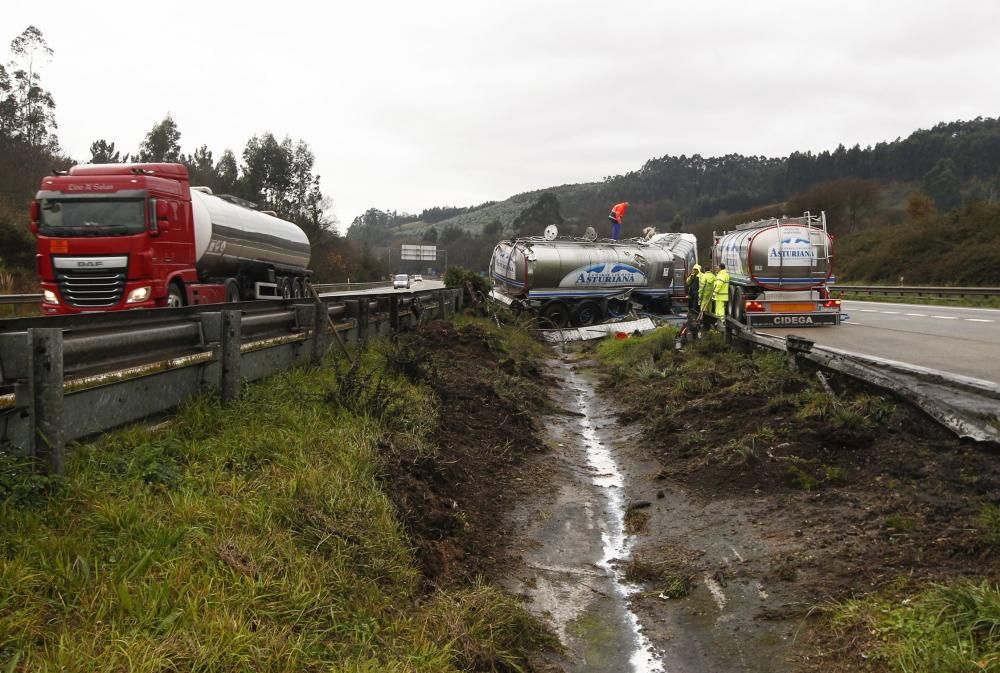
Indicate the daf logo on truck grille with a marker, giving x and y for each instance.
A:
(89, 262)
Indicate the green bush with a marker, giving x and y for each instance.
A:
(458, 276)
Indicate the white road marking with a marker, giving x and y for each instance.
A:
(945, 317)
(867, 310)
(917, 315)
(890, 312)
(976, 320)
(716, 590)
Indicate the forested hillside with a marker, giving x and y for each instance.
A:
(947, 177)
(276, 174)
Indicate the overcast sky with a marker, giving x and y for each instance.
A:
(409, 105)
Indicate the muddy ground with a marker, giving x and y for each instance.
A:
(661, 525)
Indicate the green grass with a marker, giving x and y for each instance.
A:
(644, 351)
(252, 538)
(988, 524)
(944, 629)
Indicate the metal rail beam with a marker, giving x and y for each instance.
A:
(918, 291)
(148, 362)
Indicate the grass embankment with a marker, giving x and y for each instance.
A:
(898, 525)
(257, 537)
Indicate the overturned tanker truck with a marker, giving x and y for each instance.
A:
(780, 271)
(583, 282)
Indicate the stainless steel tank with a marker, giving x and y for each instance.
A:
(536, 268)
(788, 253)
(228, 236)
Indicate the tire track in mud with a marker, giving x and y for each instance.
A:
(574, 542)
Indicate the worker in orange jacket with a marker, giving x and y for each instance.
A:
(617, 213)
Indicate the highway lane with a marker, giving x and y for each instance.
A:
(414, 287)
(958, 340)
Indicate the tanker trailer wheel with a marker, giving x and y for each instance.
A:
(175, 296)
(296, 284)
(739, 309)
(586, 314)
(285, 288)
(232, 291)
(556, 313)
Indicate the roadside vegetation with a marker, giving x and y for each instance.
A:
(275, 535)
(897, 523)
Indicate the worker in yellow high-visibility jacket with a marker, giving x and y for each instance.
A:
(706, 289)
(721, 292)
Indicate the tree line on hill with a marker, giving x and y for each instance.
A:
(275, 174)
(948, 174)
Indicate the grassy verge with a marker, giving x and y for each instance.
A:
(258, 537)
(951, 628)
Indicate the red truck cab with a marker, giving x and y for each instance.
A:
(115, 236)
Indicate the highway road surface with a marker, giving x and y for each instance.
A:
(958, 340)
(414, 287)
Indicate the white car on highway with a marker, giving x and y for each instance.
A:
(400, 281)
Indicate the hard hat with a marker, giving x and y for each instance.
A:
(696, 267)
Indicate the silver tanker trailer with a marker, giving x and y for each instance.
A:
(780, 269)
(584, 281)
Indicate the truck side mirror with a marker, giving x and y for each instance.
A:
(36, 216)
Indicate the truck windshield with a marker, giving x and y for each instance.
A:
(90, 217)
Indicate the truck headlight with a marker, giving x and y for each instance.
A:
(49, 297)
(137, 295)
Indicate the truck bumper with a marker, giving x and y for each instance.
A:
(792, 319)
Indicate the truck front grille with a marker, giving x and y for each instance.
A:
(98, 288)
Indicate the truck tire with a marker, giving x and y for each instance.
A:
(556, 313)
(232, 291)
(175, 296)
(285, 288)
(739, 310)
(586, 314)
(296, 284)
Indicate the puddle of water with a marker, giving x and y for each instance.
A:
(616, 545)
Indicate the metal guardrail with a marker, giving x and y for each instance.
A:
(16, 299)
(71, 377)
(347, 287)
(918, 291)
(968, 407)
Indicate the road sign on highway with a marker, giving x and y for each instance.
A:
(420, 253)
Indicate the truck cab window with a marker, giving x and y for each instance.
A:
(92, 217)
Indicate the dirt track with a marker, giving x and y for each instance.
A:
(657, 531)
(729, 561)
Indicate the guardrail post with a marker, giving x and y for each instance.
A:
(321, 331)
(363, 304)
(394, 313)
(48, 439)
(230, 356)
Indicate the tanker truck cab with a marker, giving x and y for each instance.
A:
(119, 236)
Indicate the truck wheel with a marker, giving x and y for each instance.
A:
(175, 296)
(739, 310)
(232, 291)
(296, 284)
(285, 288)
(586, 314)
(556, 313)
